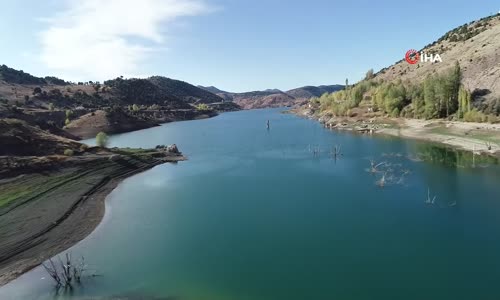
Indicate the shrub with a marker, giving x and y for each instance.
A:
(492, 119)
(83, 148)
(474, 116)
(101, 139)
(51, 106)
(202, 107)
(68, 152)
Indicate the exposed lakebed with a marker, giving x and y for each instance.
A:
(270, 214)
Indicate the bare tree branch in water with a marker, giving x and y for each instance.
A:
(336, 152)
(374, 167)
(392, 172)
(429, 200)
(381, 182)
(66, 273)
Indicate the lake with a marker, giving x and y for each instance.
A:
(271, 214)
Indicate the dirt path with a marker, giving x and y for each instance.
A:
(44, 214)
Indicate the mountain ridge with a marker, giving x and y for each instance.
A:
(274, 97)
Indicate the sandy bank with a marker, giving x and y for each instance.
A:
(482, 138)
(44, 213)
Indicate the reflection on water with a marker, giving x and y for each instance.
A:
(453, 157)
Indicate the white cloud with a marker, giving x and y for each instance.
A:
(98, 39)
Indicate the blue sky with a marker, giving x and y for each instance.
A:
(234, 45)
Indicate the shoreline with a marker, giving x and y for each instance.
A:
(49, 221)
(479, 138)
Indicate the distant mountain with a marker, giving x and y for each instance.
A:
(263, 99)
(308, 92)
(274, 97)
(211, 89)
(273, 91)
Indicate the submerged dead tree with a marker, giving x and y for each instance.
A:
(389, 172)
(336, 152)
(374, 167)
(65, 273)
(429, 200)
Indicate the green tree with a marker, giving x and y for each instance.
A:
(430, 109)
(464, 102)
(51, 106)
(135, 107)
(453, 80)
(101, 139)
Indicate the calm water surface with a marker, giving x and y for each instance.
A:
(254, 214)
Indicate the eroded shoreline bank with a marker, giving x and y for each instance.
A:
(46, 212)
(480, 138)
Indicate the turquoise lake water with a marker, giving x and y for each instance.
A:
(256, 214)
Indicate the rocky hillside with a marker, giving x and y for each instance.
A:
(274, 97)
(475, 46)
